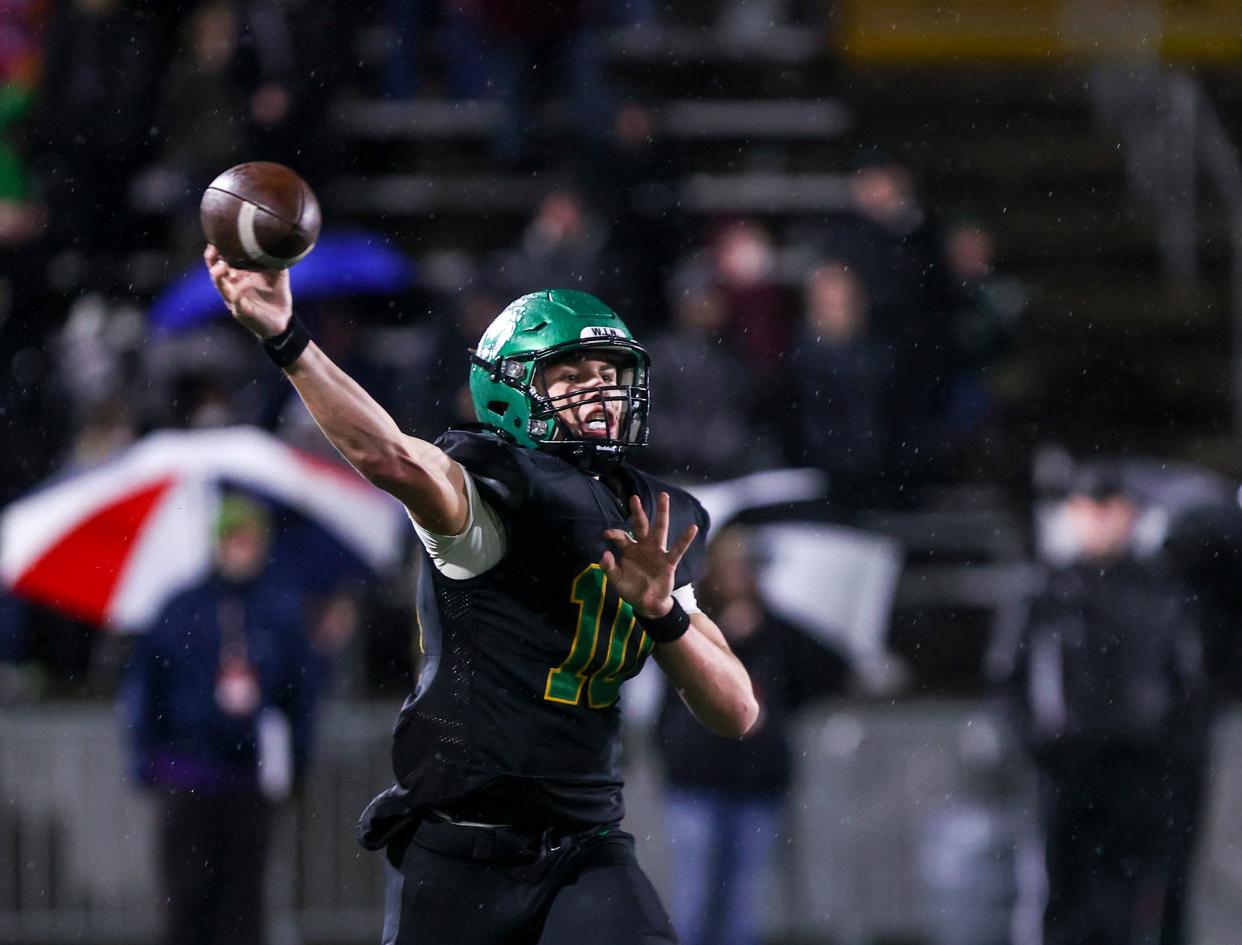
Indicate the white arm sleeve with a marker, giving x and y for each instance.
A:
(479, 547)
(684, 595)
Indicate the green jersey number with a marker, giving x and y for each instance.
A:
(603, 684)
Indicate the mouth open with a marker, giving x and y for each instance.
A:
(595, 425)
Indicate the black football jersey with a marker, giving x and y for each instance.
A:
(515, 715)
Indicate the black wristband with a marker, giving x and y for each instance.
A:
(672, 626)
(286, 347)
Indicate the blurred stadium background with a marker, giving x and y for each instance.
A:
(1031, 209)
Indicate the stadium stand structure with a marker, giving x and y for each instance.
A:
(1113, 357)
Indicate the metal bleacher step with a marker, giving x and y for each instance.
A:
(786, 45)
(766, 193)
(707, 194)
(379, 119)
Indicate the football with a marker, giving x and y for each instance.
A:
(261, 216)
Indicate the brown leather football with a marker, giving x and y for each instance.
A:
(260, 216)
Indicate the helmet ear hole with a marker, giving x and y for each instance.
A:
(498, 407)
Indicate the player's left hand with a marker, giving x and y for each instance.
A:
(643, 570)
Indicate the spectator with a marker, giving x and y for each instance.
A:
(219, 704)
(174, 389)
(20, 25)
(26, 298)
(707, 397)
(724, 797)
(632, 181)
(290, 60)
(842, 380)
(201, 118)
(1204, 548)
(982, 326)
(458, 42)
(762, 316)
(534, 48)
(107, 429)
(564, 245)
(888, 241)
(102, 71)
(441, 397)
(1109, 693)
(989, 306)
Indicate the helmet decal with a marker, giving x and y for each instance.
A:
(601, 331)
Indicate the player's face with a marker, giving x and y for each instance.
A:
(585, 415)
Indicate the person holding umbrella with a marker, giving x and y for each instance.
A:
(218, 702)
(554, 569)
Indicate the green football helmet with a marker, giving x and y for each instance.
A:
(506, 376)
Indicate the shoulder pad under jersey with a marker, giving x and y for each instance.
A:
(492, 462)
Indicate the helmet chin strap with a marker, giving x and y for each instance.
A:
(588, 457)
(592, 458)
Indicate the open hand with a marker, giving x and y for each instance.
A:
(261, 301)
(643, 570)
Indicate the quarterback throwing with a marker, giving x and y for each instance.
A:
(554, 570)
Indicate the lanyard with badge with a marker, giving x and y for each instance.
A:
(238, 695)
(237, 681)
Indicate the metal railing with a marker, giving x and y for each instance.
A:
(887, 799)
(1173, 141)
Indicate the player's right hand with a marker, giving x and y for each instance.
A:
(262, 301)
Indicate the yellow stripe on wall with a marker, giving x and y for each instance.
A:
(944, 30)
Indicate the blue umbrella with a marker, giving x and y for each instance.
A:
(342, 264)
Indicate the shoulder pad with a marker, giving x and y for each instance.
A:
(684, 510)
(678, 498)
(494, 464)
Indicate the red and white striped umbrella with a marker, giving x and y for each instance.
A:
(110, 544)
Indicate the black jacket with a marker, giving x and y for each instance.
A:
(788, 669)
(1111, 658)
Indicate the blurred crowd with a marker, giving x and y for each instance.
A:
(865, 344)
(862, 344)
(867, 336)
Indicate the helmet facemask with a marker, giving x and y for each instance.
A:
(547, 425)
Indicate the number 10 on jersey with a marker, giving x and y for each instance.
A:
(603, 685)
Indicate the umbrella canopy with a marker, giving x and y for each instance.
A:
(342, 265)
(111, 544)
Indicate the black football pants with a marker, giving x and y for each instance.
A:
(586, 888)
(1119, 840)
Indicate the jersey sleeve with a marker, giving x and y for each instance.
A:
(688, 511)
(494, 465)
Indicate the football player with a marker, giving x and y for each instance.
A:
(550, 578)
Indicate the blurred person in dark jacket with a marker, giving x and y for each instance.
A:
(563, 244)
(102, 69)
(841, 377)
(987, 309)
(889, 240)
(535, 50)
(219, 704)
(724, 797)
(1109, 692)
(631, 179)
(1204, 548)
(708, 401)
(290, 59)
